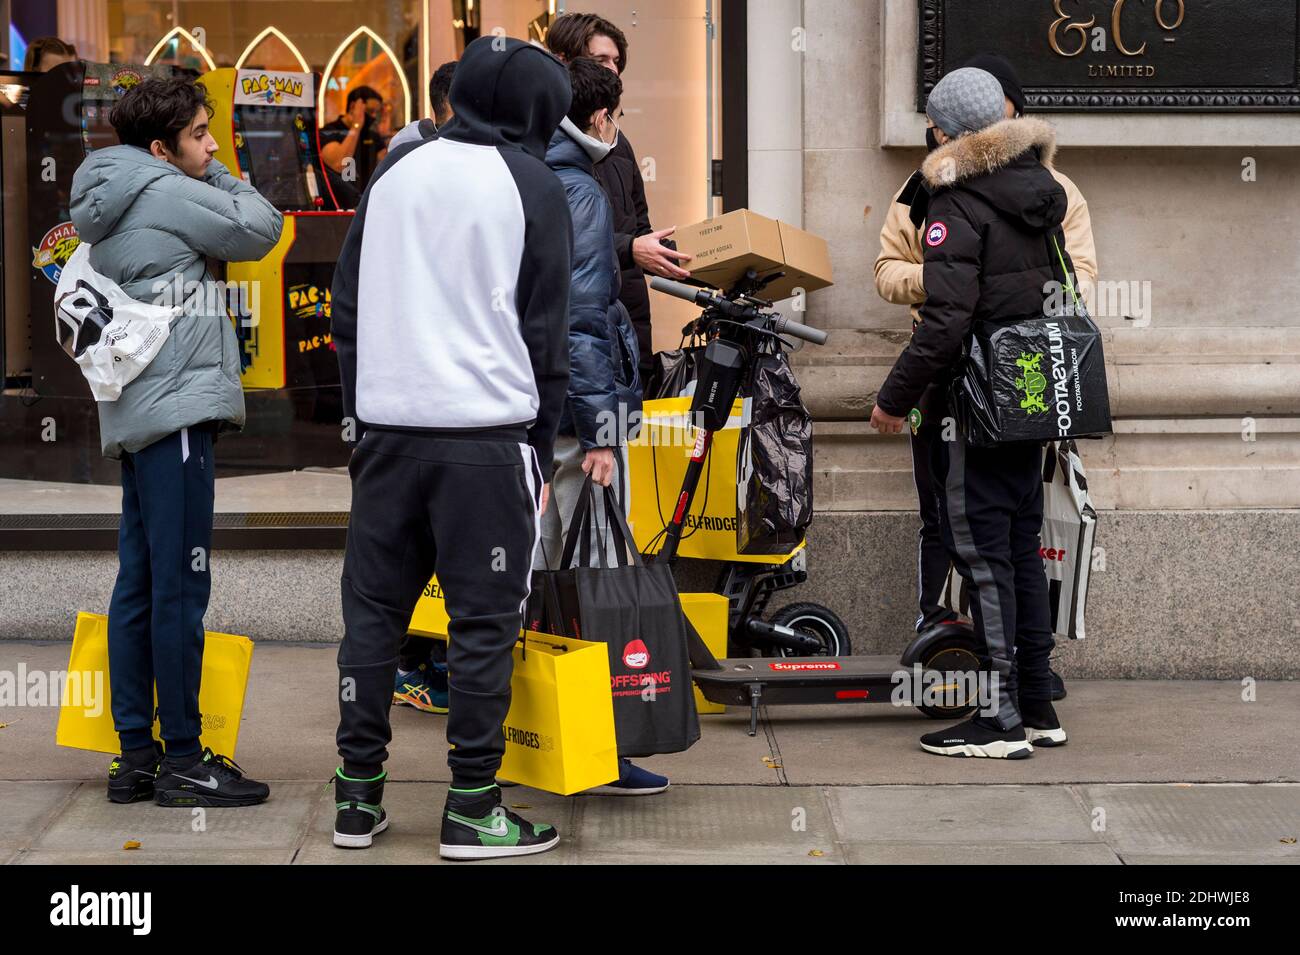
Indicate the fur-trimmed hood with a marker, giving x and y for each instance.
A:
(978, 154)
(1008, 166)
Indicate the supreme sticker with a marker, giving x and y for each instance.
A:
(803, 667)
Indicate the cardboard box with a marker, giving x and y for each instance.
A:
(725, 246)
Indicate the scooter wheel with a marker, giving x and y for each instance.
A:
(816, 621)
(952, 655)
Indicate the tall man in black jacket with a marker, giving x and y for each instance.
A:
(451, 323)
(638, 247)
(993, 214)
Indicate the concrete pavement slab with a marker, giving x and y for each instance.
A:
(96, 830)
(1121, 731)
(1010, 853)
(708, 824)
(28, 808)
(959, 815)
(1177, 822)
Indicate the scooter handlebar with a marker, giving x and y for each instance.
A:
(679, 289)
(705, 298)
(788, 326)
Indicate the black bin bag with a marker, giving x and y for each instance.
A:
(774, 463)
(674, 372)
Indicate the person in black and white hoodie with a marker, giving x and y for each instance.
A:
(450, 318)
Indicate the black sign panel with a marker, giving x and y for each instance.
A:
(1124, 55)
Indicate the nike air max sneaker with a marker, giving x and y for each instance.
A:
(359, 817)
(131, 776)
(977, 738)
(1042, 728)
(476, 826)
(211, 780)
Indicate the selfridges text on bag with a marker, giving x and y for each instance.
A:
(1069, 529)
(1039, 379)
(110, 335)
(774, 503)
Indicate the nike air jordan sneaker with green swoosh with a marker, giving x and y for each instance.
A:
(359, 817)
(475, 825)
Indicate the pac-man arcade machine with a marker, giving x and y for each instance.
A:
(264, 122)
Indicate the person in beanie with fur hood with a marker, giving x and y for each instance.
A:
(899, 279)
(993, 212)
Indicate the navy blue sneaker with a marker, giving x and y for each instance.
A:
(633, 781)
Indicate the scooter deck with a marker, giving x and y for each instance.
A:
(788, 680)
(755, 682)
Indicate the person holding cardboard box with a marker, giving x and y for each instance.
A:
(640, 249)
(604, 399)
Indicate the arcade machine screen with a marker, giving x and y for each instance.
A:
(275, 160)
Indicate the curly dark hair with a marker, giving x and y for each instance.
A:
(439, 87)
(158, 108)
(594, 88)
(569, 35)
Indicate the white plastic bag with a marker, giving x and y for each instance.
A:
(1069, 526)
(110, 335)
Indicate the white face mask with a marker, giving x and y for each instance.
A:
(595, 148)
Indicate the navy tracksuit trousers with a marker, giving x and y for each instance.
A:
(155, 619)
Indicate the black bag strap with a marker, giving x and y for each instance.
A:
(1059, 258)
(616, 520)
(577, 523)
(1049, 462)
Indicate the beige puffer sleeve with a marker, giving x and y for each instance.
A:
(1078, 237)
(901, 263)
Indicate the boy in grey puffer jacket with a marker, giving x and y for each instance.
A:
(155, 209)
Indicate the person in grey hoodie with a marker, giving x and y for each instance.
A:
(156, 209)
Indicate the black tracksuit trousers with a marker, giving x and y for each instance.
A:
(932, 560)
(463, 505)
(991, 503)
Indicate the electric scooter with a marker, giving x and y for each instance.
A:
(939, 670)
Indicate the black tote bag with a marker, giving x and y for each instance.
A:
(1038, 379)
(632, 607)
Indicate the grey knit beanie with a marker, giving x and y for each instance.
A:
(965, 101)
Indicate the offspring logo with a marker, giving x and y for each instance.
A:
(636, 655)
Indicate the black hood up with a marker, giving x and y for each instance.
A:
(507, 93)
(1007, 165)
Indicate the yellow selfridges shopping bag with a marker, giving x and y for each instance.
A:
(560, 728)
(86, 719)
(657, 461)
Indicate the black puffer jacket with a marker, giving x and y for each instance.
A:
(604, 400)
(619, 175)
(994, 207)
